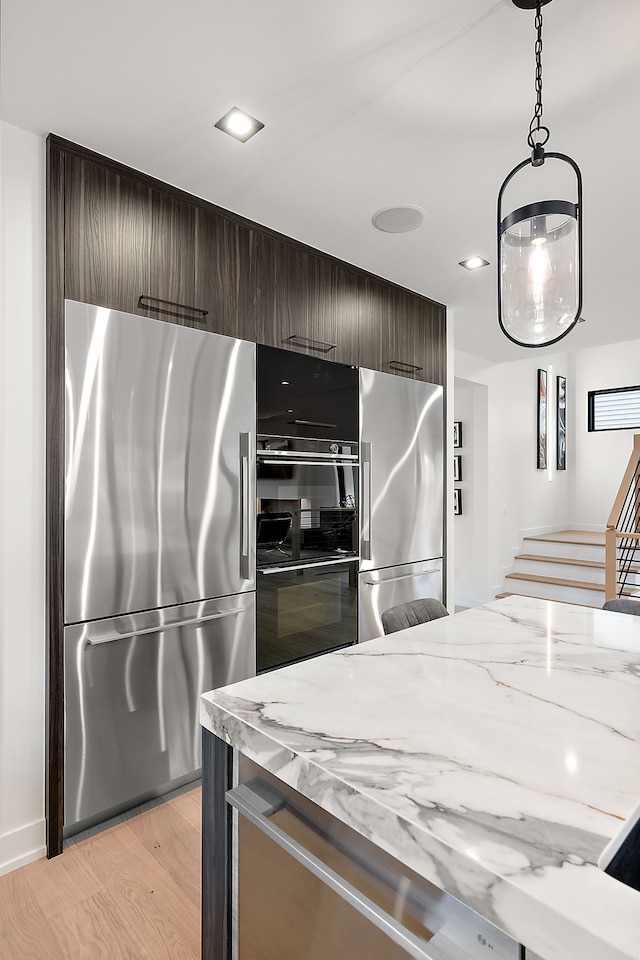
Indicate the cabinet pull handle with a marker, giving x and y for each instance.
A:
(404, 367)
(171, 303)
(321, 346)
(257, 802)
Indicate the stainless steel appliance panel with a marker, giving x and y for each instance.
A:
(132, 688)
(380, 589)
(160, 463)
(401, 446)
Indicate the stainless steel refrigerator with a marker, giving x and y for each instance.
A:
(402, 495)
(159, 549)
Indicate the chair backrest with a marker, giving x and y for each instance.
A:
(410, 614)
(623, 605)
(272, 528)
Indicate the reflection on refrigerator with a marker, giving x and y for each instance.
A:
(402, 498)
(159, 549)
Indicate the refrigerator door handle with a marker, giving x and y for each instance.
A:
(405, 576)
(365, 548)
(161, 627)
(245, 450)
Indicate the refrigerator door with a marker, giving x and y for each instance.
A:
(159, 461)
(132, 688)
(401, 443)
(380, 589)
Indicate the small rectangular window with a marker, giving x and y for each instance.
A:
(616, 409)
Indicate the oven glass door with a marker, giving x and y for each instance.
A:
(307, 502)
(305, 611)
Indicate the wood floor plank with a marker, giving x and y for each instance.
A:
(25, 933)
(96, 930)
(189, 806)
(62, 882)
(175, 844)
(165, 920)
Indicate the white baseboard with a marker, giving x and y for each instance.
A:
(22, 846)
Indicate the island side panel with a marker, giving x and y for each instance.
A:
(217, 860)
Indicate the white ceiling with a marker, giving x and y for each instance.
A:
(366, 104)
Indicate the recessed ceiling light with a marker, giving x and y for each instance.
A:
(239, 124)
(474, 263)
(400, 219)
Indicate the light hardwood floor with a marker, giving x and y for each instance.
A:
(131, 892)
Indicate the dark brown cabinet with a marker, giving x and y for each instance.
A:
(107, 235)
(402, 333)
(225, 274)
(127, 236)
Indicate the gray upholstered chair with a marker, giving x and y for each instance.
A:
(623, 605)
(410, 614)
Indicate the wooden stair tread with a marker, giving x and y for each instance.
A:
(557, 581)
(581, 537)
(600, 564)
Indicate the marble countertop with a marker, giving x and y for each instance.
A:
(495, 752)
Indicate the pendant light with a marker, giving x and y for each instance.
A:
(540, 239)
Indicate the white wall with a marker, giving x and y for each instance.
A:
(470, 528)
(520, 499)
(22, 530)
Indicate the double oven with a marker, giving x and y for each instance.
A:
(307, 507)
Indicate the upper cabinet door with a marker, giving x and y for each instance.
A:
(171, 293)
(306, 303)
(226, 274)
(402, 333)
(107, 235)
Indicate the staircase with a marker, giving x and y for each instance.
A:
(567, 565)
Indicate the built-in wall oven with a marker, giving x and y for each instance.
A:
(306, 507)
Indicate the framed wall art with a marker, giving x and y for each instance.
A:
(457, 433)
(561, 423)
(542, 419)
(457, 501)
(457, 467)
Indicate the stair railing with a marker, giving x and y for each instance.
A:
(622, 537)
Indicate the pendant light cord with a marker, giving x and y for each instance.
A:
(538, 133)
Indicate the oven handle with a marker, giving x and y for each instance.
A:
(257, 807)
(365, 548)
(305, 566)
(296, 455)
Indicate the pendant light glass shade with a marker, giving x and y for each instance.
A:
(540, 261)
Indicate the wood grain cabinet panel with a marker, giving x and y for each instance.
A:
(306, 303)
(107, 235)
(281, 293)
(402, 333)
(171, 293)
(225, 274)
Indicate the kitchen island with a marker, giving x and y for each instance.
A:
(494, 753)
